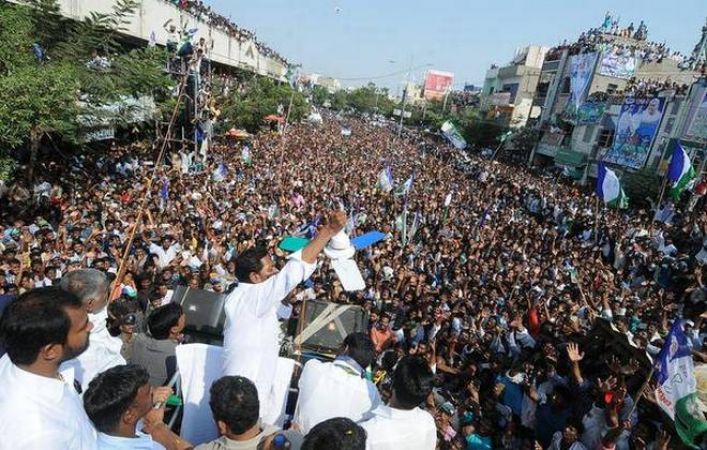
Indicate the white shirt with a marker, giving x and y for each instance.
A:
(250, 344)
(142, 441)
(395, 429)
(103, 352)
(164, 256)
(333, 389)
(556, 443)
(38, 412)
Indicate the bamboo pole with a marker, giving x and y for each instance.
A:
(141, 210)
(596, 220)
(640, 392)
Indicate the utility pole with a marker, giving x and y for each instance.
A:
(405, 92)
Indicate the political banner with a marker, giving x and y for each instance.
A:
(581, 70)
(615, 63)
(452, 134)
(437, 84)
(697, 127)
(590, 113)
(636, 127)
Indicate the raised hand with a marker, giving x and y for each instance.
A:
(573, 353)
(607, 385)
(336, 221)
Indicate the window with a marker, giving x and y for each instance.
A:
(606, 137)
(512, 88)
(588, 132)
(565, 86)
(542, 89)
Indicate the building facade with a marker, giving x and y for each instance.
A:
(508, 91)
(618, 98)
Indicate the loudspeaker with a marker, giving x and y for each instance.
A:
(326, 325)
(204, 312)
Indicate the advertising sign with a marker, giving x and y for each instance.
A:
(581, 70)
(636, 127)
(615, 63)
(697, 124)
(438, 84)
(590, 113)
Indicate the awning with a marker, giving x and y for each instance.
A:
(273, 118)
(566, 157)
(237, 134)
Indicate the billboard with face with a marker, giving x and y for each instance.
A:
(636, 127)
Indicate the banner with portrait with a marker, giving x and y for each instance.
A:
(590, 113)
(697, 123)
(618, 63)
(581, 70)
(636, 127)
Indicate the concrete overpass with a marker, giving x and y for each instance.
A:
(152, 14)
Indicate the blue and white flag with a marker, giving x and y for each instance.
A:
(220, 173)
(609, 188)
(680, 172)
(415, 224)
(309, 230)
(385, 180)
(164, 190)
(404, 189)
(674, 373)
(245, 155)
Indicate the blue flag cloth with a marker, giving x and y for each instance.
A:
(674, 371)
(164, 191)
(309, 230)
(198, 134)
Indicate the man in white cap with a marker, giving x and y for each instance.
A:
(250, 333)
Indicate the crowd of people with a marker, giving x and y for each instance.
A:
(626, 42)
(200, 11)
(506, 310)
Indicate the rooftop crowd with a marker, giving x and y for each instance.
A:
(629, 41)
(511, 318)
(200, 11)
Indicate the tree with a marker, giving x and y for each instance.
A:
(320, 95)
(261, 98)
(522, 141)
(46, 81)
(339, 100)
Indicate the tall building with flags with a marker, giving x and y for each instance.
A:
(626, 108)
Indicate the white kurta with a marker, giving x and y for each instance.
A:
(250, 333)
(103, 352)
(333, 389)
(165, 256)
(395, 429)
(141, 441)
(37, 412)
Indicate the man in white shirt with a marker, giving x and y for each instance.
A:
(251, 329)
(119, 403)
(338, 388)
(402, 424)
(39, 408)
(92, 287)
(165, 253)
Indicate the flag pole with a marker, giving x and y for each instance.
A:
(662, 191)
(640, 392)
(405, 222)
(596, 220)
